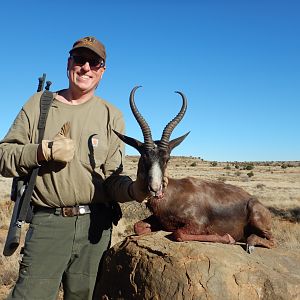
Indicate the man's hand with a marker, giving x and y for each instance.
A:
(138, 191)
(60, 149)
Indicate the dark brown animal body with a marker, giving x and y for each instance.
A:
(199, 210)
(194, 209)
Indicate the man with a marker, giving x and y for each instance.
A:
(80, 161)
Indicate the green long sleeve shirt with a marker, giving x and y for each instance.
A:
(98, 158)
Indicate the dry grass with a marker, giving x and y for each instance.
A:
(275, 184)
(286, 233)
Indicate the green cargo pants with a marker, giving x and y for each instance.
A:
(63, 250)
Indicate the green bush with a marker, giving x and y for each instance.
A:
(249, 167)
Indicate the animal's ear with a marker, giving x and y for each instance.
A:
(129, 141)
(174, 143)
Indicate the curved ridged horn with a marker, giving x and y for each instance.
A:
(148, 141)
(164, 141)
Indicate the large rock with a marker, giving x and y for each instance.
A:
(153, 267)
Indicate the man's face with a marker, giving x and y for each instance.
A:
(85, 70)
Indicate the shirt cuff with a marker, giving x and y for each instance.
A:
(29, 156)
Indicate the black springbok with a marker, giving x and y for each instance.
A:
(191, 208)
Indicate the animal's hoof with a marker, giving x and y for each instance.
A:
(250, 248)
(176, 236)
(178, 239)
(229, 239)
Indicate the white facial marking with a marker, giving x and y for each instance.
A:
(155, 174)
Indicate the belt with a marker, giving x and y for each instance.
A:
(68, 211)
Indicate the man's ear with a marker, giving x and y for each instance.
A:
(102, 71)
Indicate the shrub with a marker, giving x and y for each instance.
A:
(249, 167)
(260, 186)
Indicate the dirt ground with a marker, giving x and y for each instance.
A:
(275, 184)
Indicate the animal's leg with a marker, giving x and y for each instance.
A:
(180, 236)
(259, 226)
(255, 240)
(146, 226)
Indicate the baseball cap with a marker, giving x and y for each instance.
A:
(91, 43)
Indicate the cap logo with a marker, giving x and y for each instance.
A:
(88, 41)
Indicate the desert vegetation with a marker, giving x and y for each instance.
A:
(275, 184)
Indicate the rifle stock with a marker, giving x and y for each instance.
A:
(14, 232)
(20, 212)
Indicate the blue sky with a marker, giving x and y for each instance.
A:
(238, 63)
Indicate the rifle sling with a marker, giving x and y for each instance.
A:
(45, 103)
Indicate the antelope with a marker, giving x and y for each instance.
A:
(193, 209)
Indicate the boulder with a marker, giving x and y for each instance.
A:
(154, 267)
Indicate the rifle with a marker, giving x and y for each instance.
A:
(22, 187)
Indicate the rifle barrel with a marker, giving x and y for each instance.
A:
(41, 82)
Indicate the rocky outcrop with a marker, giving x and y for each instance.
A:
(153, 267)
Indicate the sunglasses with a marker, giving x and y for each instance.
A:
(93, 62)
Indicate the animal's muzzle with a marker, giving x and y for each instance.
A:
(156, 192)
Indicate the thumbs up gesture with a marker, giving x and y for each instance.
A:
(61, 148)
